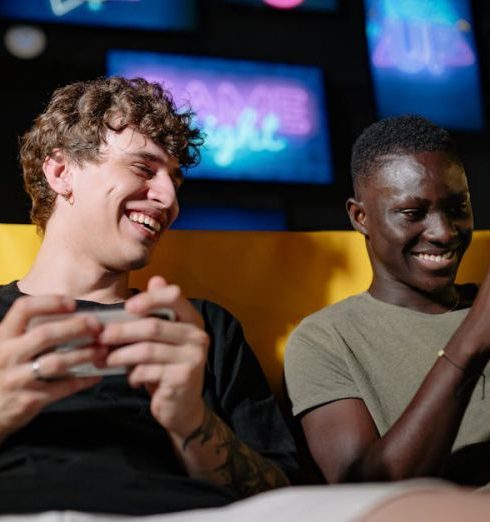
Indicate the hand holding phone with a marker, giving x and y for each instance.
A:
(104, 317)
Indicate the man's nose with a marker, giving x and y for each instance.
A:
(440, 228)
(162, 189)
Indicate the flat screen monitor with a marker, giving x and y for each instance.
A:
(138, 14)
(311, 5)
(262, 121)
(424, 60)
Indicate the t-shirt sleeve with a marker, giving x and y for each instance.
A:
(243, 397)
(316, 370)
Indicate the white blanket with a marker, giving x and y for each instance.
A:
(339, 503)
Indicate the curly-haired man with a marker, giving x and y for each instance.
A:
(192, 423)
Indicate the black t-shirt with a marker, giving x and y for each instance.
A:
(101, 450)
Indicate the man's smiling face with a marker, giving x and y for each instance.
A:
(124, 201)
(419, 220)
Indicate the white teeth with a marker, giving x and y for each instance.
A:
(143, 219)
(436, 258)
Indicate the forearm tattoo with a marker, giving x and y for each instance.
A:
(242, 469)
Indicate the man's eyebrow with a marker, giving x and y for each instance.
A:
(176, 171)
(148, 156)
(463, 195)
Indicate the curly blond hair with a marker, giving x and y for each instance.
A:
(77, 118)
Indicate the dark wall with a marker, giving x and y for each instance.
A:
(334, 41)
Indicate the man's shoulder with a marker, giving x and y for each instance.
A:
(214, 314)
(223, 327)
(8, 294)
(10, 290)
(340, 311)
(329, 321)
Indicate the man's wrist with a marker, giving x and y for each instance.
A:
(193, 422)
(467, 352)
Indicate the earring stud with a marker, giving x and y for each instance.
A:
(69, 197)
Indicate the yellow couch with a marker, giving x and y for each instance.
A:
(269, 280)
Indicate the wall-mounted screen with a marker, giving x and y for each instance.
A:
(313, 5)
(138, 14)
(424, 60)
(263, 122)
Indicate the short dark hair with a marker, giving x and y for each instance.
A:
(78, 117)
(398, 135)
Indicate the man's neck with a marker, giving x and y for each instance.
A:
(396, 293)
(61, 271)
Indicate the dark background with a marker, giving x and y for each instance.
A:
(334, 41)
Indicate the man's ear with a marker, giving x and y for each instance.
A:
(57, 172)
(357, 216)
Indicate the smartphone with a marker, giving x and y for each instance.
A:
(105, 317)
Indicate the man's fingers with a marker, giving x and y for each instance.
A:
(50, 366)
(146, 374)
(160, 294)
(159, 353)
(152, 329)
(26, 308)
(156, 282)
(83, 328)
(57, 365)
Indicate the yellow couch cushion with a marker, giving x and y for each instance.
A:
(269, 280)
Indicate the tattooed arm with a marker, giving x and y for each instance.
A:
(213, 452)
(169, 359)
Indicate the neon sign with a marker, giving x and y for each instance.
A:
(416, 46)
(313, 5)
(233, 120)
(63, 7)
(284, 4)
(423, 59)
(247, 135)
(261, 121)
(144, 14)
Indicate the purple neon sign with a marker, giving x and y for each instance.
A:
(414, 46)
(253, 115)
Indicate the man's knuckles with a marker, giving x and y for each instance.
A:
(198, 337)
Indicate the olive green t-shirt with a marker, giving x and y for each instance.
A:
(365, 348)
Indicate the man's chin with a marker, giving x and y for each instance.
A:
(136, 264)
(129, 264)
(435, 285)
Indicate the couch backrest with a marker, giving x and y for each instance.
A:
(269, 280)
